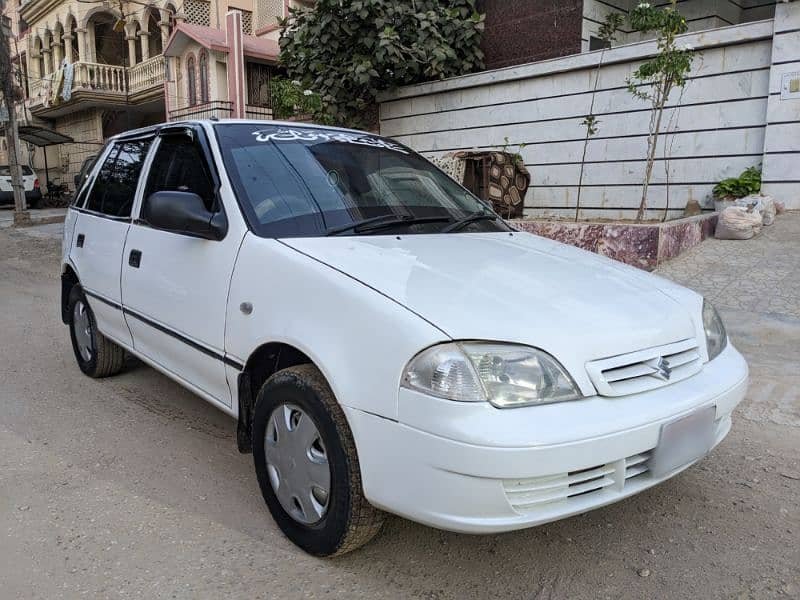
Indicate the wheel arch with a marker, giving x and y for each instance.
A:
(263, 362)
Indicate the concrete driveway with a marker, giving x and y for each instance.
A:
(132, 487)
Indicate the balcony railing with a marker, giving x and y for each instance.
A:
(113, 80)
(219, 109)
(94, 76)
(146, 74)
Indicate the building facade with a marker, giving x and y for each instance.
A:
(525, 31)
(90, 70)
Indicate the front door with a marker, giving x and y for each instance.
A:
(174, 286)
(99, 234)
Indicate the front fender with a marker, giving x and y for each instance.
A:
(360, 339)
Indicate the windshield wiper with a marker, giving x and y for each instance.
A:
(473, 218)
(383, 221)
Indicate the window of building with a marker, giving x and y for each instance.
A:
(247, 22)
(115, 186)
(198, 12)
(203, 62)
(267, 12)
(191, 81)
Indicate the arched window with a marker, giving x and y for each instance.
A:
(191, 81)
(203, 76)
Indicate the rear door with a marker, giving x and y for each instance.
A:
(100, 231)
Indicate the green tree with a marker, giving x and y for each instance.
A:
(607, 33)
(655, 79)
(348, 51)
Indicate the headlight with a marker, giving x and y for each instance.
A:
(504, 374)
(716, 336)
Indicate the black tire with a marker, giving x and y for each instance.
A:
(34, 203)
(350, 521)
(105, 357)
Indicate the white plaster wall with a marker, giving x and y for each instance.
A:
(700, 15)
(718, 124)
(781, 174)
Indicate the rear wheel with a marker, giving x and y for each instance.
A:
(97, 356)
(307, 465)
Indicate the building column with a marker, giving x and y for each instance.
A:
(82, 53)
(58, 52)
(164, 27)
(236, 76)
(68, 48)
(780, 175)
(131, 49)
(48, 63)
(144, 38)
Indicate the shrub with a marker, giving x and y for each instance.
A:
(350, 50)
(747, 183)
(290, 100)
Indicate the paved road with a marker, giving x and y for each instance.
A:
(131, 487)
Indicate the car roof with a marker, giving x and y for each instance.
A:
(154, 129)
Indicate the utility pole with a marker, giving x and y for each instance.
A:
(21, 215)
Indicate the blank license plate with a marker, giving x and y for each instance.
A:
(683, 441)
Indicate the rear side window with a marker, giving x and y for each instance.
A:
(179, 166)
(115, 185)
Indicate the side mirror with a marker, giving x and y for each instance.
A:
(77, 180)
(184, 213)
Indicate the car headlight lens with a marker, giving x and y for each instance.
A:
(716, 336)
(506, 375)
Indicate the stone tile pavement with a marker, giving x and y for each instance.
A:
(761, 275)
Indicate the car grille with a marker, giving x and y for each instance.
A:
(533, 493)
(646, 369)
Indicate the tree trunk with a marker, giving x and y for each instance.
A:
(588, 135)
(652, 142)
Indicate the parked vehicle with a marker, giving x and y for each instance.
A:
(33, 193)
(383, 339)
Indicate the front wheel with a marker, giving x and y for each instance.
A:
(307, 465)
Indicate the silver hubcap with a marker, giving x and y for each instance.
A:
(83, 330)
(297, 463)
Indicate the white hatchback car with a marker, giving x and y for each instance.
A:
(30, 182)
(384, 340)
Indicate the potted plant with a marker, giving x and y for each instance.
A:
(727, 191)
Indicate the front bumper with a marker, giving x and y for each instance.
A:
(492, 470)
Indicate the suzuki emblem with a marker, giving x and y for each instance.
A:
(663, 370)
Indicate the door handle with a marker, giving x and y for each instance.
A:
(79, 241)
(135, 258)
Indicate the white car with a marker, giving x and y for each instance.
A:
(385, 341)
(30, 182)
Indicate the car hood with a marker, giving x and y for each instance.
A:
(518, 288)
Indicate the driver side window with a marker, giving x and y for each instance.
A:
(179, 166)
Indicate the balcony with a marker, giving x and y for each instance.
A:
(101, 84)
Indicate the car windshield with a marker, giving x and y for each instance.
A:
(295, 181)
(6, 172)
